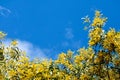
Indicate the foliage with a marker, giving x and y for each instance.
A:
(100, 61)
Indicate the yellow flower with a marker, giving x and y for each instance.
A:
(2, 35)
(91, 69)
(110, 40)
(62, 56)
(91, 43)
(11, 73)
(97, 13)
(29, 73)
(14, 42)
(78, 59)
(95, 36)
(39, 68)
(97, 60)
(69, 53)
(111, 33)
(98, 20)
(84, 77)
(117, 62)
(67, 77)
(38, 78)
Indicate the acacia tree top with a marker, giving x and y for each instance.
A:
(101, 60)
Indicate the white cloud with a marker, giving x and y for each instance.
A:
(71, 44)
(69, 33)
(4, 11)
(31, 50)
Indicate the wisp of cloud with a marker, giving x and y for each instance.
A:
(4, 11)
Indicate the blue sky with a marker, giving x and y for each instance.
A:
(53, 26)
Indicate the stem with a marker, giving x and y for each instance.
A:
(108, 73)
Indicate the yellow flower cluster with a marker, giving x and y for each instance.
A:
(98, 20)
(14, 42)
(112, 40)
(95, 36)
(97, 33)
